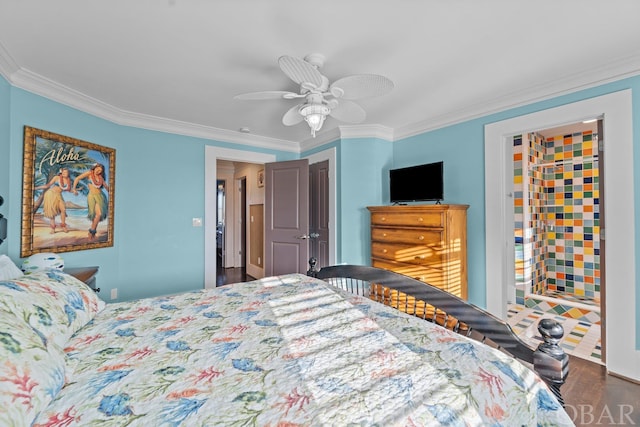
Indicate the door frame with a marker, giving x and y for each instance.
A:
(212, 154)
(623, 357)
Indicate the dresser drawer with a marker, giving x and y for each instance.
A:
(425, 242)
(406, 235)
(428, 274)
(409, 253)
(411, 219)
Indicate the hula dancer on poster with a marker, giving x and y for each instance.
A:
(97, 202)
(54, 202)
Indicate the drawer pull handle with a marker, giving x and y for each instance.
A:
(384, 251)
(383, 219)
(420, 219)
(420, 257)
(421, 238)
(384, 234)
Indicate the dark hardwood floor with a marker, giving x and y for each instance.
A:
(594, 398)
(225, 276)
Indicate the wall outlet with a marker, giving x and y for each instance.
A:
(114, 293)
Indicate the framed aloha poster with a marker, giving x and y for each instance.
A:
(67, 195)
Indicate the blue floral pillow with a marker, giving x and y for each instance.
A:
(55, 305)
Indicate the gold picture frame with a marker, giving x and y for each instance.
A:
(261, 178)
(67, 194)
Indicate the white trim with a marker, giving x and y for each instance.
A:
(8, 65)
(211, 156)
(625, 67)
(25, 79)
(330, 155)
(50, 89)
(616, 110)
(366, 131)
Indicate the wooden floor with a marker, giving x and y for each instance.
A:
(594, 398)
(225, 276)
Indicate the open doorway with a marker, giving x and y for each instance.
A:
(226, 269)
(558, 255)
(213, 154)
(241, 242)
(623, 356)
(220, 222)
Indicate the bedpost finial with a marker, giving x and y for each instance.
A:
(551, 332)
(549, 359)
(312, 272)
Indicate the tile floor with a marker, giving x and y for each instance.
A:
(581, 338)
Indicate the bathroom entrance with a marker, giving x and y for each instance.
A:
(557, 223)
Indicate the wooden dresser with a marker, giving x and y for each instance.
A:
(426, 242)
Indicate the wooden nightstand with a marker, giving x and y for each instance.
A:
(85, 274)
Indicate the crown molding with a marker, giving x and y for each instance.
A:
(614, 70)
(367, 131)
(322, 138)
(625, 67)
(206, 132)
(57, 92)
(7, 65)
(349, 131)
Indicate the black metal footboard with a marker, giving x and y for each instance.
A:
(435, 305)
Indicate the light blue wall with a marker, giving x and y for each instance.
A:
(364, 165)
(461, 146)
(362, 174)
(159, 188)
(5, 99)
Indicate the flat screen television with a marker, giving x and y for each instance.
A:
(420, 183)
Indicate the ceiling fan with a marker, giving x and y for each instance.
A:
(322, 99)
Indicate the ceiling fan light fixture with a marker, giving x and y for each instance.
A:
(322, 99)
(314, 115)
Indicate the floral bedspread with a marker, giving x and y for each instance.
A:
(287, 351)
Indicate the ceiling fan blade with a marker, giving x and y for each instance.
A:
(292, 116)
(361, 86)
(267, 94)
(348, 111)
(299, 70)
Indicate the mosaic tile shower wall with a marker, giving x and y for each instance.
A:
(572, 185)
(523, 263)
(557, 242)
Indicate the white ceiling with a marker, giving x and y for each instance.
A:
(175, 65)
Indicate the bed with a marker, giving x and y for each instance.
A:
(287, 351)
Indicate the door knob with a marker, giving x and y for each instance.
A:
(308, 236)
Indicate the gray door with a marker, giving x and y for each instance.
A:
(286, 228)
(319, 212)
